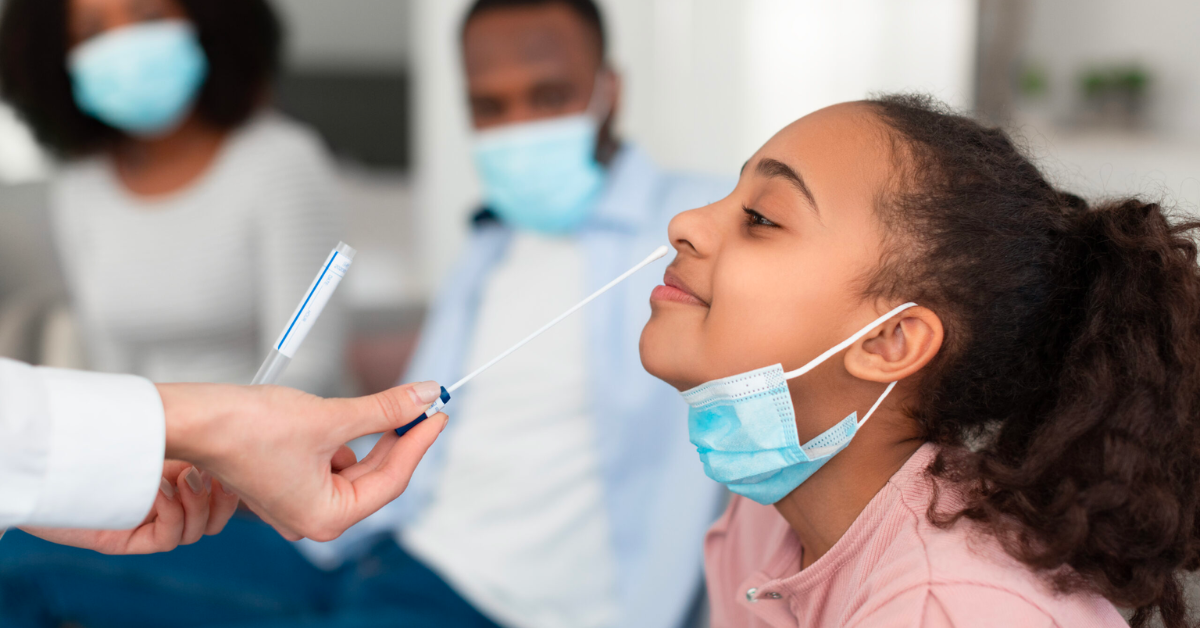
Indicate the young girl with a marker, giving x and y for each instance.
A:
(1038, 461)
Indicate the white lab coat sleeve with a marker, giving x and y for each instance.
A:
(78, 450)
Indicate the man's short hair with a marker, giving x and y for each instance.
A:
(585, 9)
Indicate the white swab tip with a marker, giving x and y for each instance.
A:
(659, 253)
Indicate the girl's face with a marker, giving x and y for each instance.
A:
(88, 18)
(774, 273)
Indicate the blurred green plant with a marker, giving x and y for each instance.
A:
(1115, 95)
(1125, 80)
(1033, 81)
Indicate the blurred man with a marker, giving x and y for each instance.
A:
(565, 492)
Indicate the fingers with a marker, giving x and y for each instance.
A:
(172, 469)
(386, 410)
(288, 535)
(193, 494)
(374, 489)
(372, 460)
(342, 458)
(222, 505)
(162, 534)
(289, 483)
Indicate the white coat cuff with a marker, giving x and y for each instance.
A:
(106, 450)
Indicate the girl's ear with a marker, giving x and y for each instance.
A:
(898, 348)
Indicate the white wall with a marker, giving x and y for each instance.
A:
(1069, 35)
(707, 81)
(679, 60)
(805, 55)
(1108, 165)
(711, 80)
(445, 189)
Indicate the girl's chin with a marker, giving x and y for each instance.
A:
(665, 368)
(661, 356)
(654, 360)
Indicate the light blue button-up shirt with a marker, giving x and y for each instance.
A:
(658, 500)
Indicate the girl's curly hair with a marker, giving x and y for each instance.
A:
(1067, 393)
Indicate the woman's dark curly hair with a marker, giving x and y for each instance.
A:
(241, 38)
(1067, 393)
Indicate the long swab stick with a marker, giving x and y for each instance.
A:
(658, 254)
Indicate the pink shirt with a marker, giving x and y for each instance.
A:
(892, 568)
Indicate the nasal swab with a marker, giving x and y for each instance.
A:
(658, 254)
(437, 406)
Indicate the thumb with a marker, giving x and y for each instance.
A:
(389, 409)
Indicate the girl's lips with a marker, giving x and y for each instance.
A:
(674, 295)
(675, 291)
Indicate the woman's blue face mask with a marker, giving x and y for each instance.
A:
(142, 79)
(744, 428)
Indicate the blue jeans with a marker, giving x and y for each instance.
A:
(248, 576)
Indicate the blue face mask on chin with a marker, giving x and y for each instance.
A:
(141, 79)
(744, 428)
(541, 176)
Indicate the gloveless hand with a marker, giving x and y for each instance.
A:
(187, 507)
(284, 453)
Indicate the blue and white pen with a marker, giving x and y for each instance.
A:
(306, 314)
(437, 406)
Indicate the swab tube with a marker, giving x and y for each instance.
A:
(306, 314)
(437, 406)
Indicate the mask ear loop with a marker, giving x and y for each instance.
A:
(841, 346)
(846, 343)
(876, 406)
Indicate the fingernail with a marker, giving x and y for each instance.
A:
(445, 421)
(225, 490)
(206, 477)
(426, 392)
(192, 477)
(166, 488)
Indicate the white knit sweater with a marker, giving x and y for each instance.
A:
(195, 285)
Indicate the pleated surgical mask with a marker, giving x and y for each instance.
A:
(744, 428)
(543, 175)
(141, 79)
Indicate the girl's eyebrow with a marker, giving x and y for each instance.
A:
(772, 168)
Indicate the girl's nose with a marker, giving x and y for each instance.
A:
(692, 232)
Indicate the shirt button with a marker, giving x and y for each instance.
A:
(751, 595)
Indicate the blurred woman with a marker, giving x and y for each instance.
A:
(190, 218)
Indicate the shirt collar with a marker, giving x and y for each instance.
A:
(911, 481)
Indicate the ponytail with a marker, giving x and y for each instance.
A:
(1072, 360)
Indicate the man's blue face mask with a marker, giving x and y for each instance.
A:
(744, 428)
(141, 79)
(543, 176)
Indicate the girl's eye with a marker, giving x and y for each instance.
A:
(755, 219)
